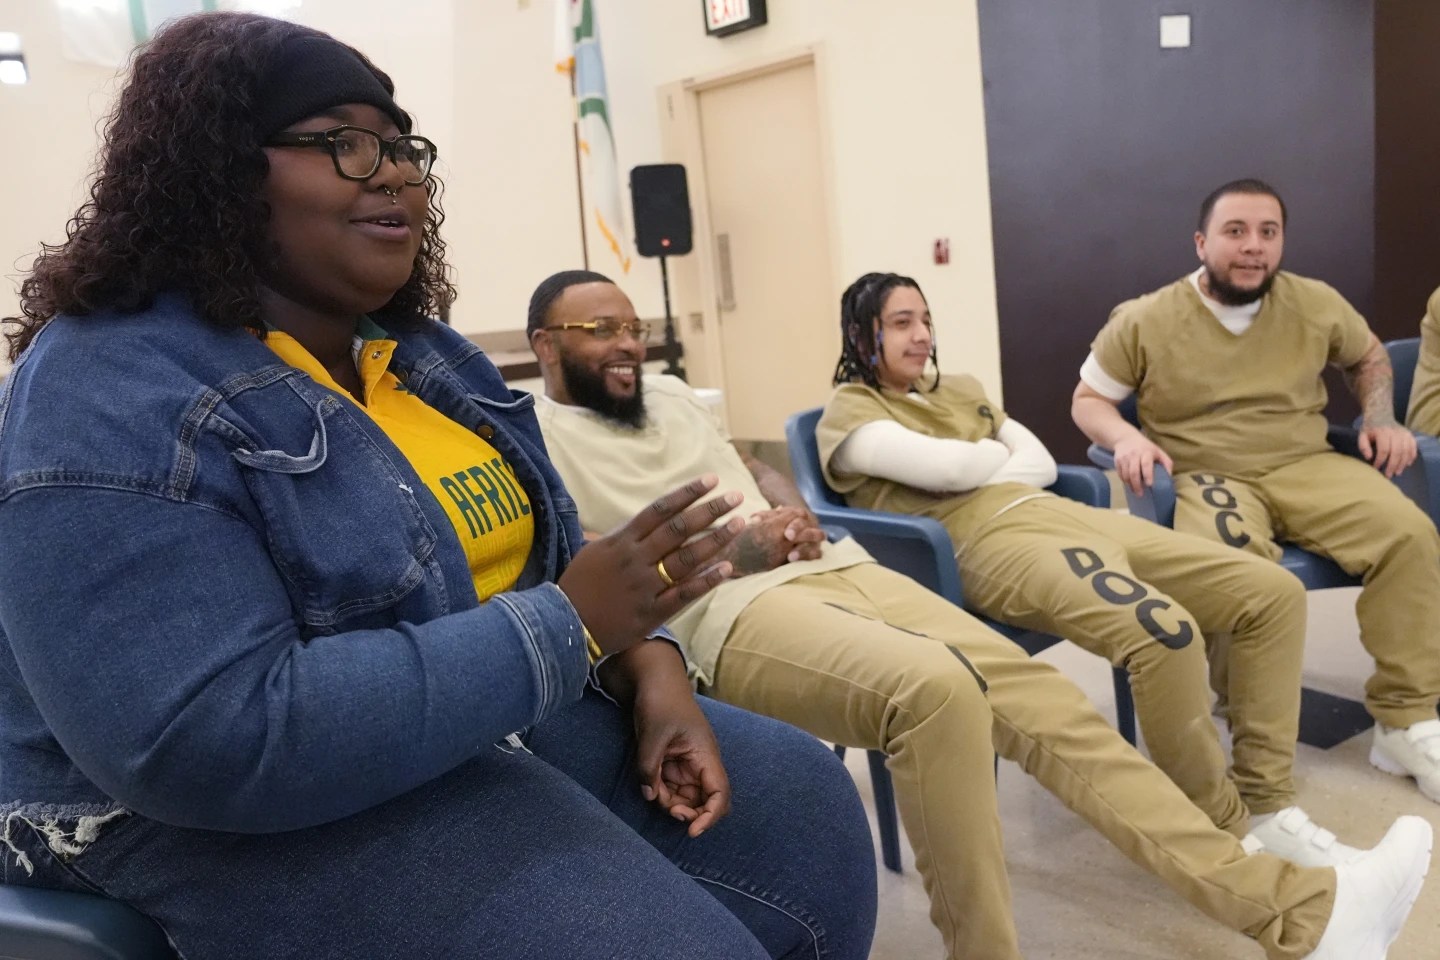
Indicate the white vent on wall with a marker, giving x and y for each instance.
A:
(1174, 31)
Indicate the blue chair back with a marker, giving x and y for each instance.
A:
(1130, 410)
(805, 459)
(918, 547)
(1404, 355)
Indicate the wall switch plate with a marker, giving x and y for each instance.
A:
(1174, 31)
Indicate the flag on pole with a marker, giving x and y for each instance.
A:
(105, 31)
(577, 54)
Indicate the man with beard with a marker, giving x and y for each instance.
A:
(819, 635)
(1226, 365)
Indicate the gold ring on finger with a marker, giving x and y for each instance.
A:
(664, 574)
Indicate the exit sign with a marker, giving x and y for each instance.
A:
(724, 17)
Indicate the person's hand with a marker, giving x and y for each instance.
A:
(1390, 447)
(676, 755)
(1135, 459)
(618, 585)
(805, 532)
(775, 536)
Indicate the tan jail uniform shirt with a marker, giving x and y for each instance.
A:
(1241, 405)
(956, 410)
(614, 471)
(1424, 408)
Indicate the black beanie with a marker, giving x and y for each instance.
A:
(312, 72)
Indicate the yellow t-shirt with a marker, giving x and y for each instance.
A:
(1424, 412)
(1240, 404)
(956, 410)
(474, 485)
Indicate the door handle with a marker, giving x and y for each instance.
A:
(727, 271)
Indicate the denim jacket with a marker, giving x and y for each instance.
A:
(228, 602)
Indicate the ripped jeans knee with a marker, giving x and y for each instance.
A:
(66, 832)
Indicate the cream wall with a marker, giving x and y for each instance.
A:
(64, 102)
(50, 126)
(901, 90)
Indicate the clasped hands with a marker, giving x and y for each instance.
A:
(624, 586)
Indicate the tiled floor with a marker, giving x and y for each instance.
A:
(1076, 898)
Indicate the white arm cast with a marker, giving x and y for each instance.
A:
(1029, 461)
(885, 449)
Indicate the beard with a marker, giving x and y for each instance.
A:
(587, 389)
(1233, 296)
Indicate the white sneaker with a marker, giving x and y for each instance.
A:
(1410, 752)
(1374, 894)
(1292, 835)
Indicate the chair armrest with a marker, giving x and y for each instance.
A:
(1156, 504)
(834, 532)
(918, 547)
(1420, 481)
(1083, 484)
(1102, 457)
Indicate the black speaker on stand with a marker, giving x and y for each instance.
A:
(661, 203)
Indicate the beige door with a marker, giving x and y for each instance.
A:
(771, 240)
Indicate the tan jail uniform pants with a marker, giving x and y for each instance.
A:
(1148, 599)
(868, 658)
(1344, 509)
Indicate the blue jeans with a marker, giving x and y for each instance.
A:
(548, 855)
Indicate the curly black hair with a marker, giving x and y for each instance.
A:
(175, 201)
(860, 307)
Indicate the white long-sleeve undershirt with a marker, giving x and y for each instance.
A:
(1029, 461)
(885, 449)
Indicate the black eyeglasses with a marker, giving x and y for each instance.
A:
(357, 152)
(607, 328)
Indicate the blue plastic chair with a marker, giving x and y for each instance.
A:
(1404, 356)
(38, 924)
(920, 548)
(1422, 480)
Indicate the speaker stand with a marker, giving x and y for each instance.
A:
(672, 360)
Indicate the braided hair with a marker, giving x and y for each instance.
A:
(860, 330)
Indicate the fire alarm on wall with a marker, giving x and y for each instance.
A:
(942, 250)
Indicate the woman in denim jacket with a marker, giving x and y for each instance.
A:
(249, 686)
